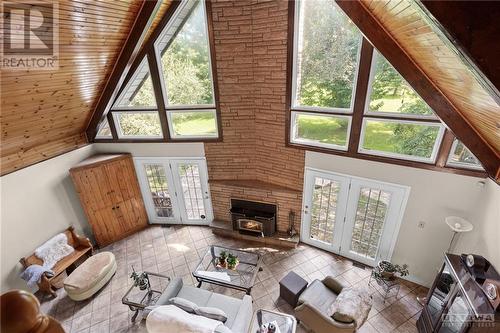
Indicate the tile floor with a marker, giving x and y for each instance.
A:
(175, 251)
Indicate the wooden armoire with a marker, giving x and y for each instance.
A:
(110, 195)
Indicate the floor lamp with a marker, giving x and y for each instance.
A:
(458, 225)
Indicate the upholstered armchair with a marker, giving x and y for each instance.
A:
(314, 304)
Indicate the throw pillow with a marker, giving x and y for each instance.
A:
(343, 318)
(183, 304)
(212, 313)
(333, 284)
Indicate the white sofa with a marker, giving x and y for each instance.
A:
(239, 311)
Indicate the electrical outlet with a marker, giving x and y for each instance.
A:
(421, 224)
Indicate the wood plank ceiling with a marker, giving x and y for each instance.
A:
(472, 111)
(45, 113)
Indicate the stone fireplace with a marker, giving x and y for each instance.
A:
(252, 161)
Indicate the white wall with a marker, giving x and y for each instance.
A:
(37, 202)
(433, 196)
(485, 238)
(153, 149)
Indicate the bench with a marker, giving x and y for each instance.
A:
(82, 246)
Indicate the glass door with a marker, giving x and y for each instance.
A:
(325, 199)
(191, 180)
(355, 217)
(157, 187)
(175, 190)
(373, 215)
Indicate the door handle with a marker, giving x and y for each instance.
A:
(305, 212)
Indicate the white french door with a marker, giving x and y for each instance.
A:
(354, 217)
(175, 190)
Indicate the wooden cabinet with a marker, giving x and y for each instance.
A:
(110, 195)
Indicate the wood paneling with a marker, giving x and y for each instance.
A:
(473, 36)
(110, 195)
(400, 30)
(45, 112)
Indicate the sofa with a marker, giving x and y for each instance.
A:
(239, 311)
(314, 306)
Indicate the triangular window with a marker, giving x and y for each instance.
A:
(138, 93)
(185, 57)
(389, 93)
(104, 131)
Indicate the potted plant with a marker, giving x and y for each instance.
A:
(222, 259)
(141, 280)
(232, 261)
(387, 270)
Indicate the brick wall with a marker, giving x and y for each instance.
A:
(251, 54)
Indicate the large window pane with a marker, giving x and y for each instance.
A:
(193, 124)
(138, 124)
(407, 140)
(185, 59)
(391, 93)
(139, 91)
(326, 56)
(461, 156)
(321, 130)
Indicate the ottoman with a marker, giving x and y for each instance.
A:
(90, 276)
(291, 286)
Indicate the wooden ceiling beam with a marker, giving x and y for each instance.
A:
(129, 52)
(383, 41)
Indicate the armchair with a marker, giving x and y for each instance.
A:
(314, 308)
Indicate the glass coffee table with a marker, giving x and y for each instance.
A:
(241, 278)
(137, 299)
(284, 323)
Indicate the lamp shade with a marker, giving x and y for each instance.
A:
(458, 224)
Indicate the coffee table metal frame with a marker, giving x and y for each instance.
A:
(148, 294)
(213, 262)
(257, 320)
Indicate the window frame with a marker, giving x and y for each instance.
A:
(293, 130)
(119, 131)
(119, 98)
(461, 165)
(148, 53)
(332, 110)
(99, 127)
(435, 148)
(178, 137)
(158, 57)
(368, 112)
(359, 104)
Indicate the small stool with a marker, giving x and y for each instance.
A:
(291, 286)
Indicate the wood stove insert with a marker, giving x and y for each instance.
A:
(254, 218)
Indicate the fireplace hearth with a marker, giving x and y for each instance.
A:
(254, 218)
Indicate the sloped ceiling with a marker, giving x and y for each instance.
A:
(45, 113)
(409, 40)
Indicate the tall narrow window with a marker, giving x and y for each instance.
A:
(186, 73)
(326, 57)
